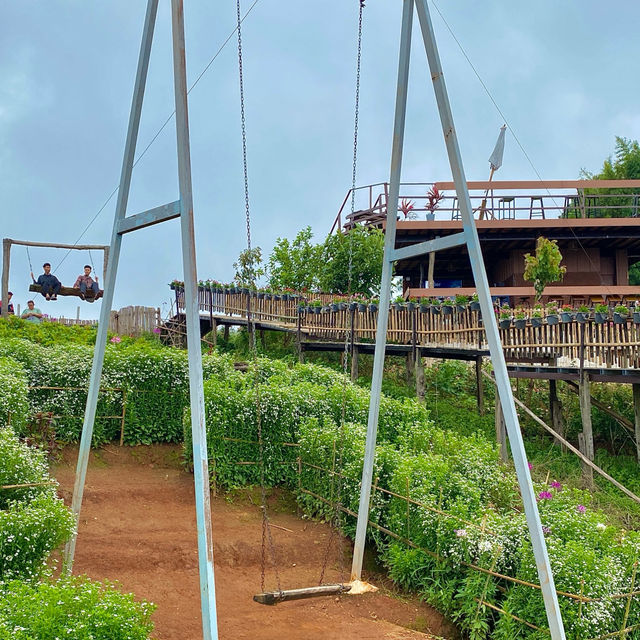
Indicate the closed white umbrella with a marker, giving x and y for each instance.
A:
(495, 161)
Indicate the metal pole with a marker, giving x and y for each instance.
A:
(110, 279)
(491, 329)
(6, 259)
(385, 288)
(196, 390)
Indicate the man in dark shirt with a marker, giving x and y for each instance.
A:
(49, 283)
(10, 310)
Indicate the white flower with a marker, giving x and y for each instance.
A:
(461, 533)
(601, 526)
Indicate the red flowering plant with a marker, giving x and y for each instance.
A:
(434, 198)
(406, 207)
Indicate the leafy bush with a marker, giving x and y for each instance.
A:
(33, 521)
(14, 403)
(73, 608)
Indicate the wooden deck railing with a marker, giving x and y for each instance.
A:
(567, 344)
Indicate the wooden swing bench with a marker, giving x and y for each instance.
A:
(273, 597)
(70, 291)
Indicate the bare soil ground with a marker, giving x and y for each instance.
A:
(138, 527)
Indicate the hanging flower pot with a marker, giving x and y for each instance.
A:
(435, 309)
(474, 305)
(260, 295)
(505, 323)
(353, 306)
(461, 308)
(536, 321)
(424, 308)
(553, 319)
(636, 317)
(620, 318)
(362, 306)
(411, 306)
(447, 309)
(566, 316)
(342, 306)
(520, 323)
(334, 307)
(582, 316)
(398, 306)
(600, 317)
(373, 306)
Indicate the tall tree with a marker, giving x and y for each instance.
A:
(295, 264)
(352, 262)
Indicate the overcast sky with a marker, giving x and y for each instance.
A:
(565, 74)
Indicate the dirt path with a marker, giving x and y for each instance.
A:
(138, 527)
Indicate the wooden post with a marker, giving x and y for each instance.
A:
(479, 386)
(636, 415)
(555, 411)
(432, 262)
(226, 332)
(354, 363)
(585, 439)
(420, 387)
(4, 291)
(410, 366)
(214, 332)
(501, 431)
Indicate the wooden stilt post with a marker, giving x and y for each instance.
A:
(226, 332)
(479, 386)
(636, 415)
(354, 363)
(585, 439)
(214, 332)
(410, 366)
(6, 260)
(420, 387)
(555, 411)
(501, 431)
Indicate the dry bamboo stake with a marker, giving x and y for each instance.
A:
(623, 631)
(28, 485)
(573, 449)
(511, 615)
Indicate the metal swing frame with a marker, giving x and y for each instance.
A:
(123, 224)
(468, 237)
(7, 243)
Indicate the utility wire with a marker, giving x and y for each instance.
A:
(160, 130)
(513, 133)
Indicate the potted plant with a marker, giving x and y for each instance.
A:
(302, 307)
(601, 314)
(447, 307)
(504, 317)
(520, 319)
(361, 303)
(335, 305)
(566, 313)
(461, 303)
(582, 315)
(411, 304)
(435, 306)
(636, 313)
(373, 304)
(474, 303)
(536, 316)
(398, 303)
(552, 314)
(620, 314)
(316, 306)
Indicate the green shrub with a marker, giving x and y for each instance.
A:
(33, 520)
(14, 402)
(74, 609)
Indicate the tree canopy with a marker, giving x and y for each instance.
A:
(544, 268)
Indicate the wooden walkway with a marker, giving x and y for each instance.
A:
(459, 334)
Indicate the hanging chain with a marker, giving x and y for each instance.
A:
(336, 476)
(267, 538)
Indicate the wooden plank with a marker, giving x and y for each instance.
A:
(519, 185)
(273, 597)
(69, 291)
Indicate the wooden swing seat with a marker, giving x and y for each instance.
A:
(69, 291)
(273, 597)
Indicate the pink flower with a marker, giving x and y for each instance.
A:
(157, 330)
(545, 495)
(530, 466)
(460, 533)
(555, 485)
(116, 339)
(546, 530)
(581, 508)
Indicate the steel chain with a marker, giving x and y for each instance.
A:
(251, 327)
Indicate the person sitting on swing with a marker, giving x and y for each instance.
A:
(49, 283)
(85, 281)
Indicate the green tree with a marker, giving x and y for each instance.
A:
(623, 165)
(366, 247)
(248, 269)
(544, 267)
(295, 264)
